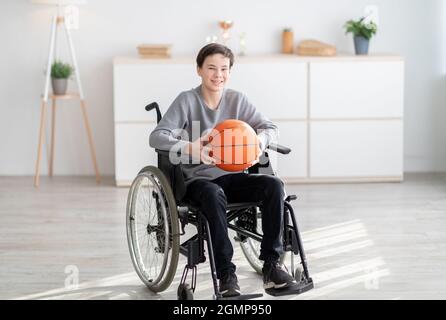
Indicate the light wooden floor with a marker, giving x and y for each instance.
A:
(363, 241)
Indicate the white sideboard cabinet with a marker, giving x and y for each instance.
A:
(341, 116)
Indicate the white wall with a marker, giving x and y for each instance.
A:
(412, 28)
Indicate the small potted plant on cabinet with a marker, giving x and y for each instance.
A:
(363, 30)
(60, 72)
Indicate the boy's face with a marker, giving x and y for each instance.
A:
(215, 72)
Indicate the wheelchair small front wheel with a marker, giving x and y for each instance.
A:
(152, 229)
(184, 292)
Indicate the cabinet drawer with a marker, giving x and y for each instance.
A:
(356, 89)
(137, 85)
(277, 89)
(356, 149)
(132, 150)
(294, 136)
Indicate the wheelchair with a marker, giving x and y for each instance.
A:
(157, 214)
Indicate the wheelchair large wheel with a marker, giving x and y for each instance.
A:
(251, 248)
(152, 229)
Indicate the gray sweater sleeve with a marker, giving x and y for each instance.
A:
(167, 133)
(266, 130)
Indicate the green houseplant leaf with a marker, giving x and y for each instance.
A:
(60, 70)
(362, 27)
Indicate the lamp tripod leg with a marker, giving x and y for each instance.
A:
(39, 147)
(53, 133)
(74, 60)
(50, 58)
(45, 98)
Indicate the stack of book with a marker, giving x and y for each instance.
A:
(154, 50)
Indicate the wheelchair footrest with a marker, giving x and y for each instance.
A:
(243, 297)
(298, 288)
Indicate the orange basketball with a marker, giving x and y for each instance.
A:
(234, 145)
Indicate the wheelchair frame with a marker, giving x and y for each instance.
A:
(168, 191)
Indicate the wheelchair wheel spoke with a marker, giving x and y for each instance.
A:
(148, 202)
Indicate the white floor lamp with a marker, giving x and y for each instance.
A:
(59, 19)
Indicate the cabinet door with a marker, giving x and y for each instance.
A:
(136, 85)
(277, 89)
(356, 149)
(292, 135)
(132, 151)
(356, 89)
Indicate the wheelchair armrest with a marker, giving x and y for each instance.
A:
(279, 148)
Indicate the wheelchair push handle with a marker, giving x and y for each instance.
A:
(155, 106)
(279, 148)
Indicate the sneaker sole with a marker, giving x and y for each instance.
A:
(271, 285)
(230, 293)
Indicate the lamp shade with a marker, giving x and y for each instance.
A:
(60, 2)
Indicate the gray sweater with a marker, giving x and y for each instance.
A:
(188, 118)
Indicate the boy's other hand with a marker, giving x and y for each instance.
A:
(205, 157)
(198, 150)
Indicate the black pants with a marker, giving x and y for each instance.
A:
(213, 196)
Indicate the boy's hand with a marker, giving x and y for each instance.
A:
(200, 151)
(205, 157)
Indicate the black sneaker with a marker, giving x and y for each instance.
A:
(229, 285)
(276, 276)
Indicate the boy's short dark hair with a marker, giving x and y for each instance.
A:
(214, 48)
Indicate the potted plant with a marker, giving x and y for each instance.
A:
(363, 30)
(60, 72)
